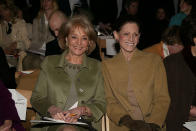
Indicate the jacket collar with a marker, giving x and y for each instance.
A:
(120, 57)
(62, 60)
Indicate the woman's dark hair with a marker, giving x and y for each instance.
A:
(121, 21)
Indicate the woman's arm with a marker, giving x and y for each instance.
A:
(39, 95)
(114, 108)
(161, 99)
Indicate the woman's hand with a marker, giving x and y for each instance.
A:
(53, 110)
(7, 126)
(73, 115)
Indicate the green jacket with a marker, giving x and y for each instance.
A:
(54, 83)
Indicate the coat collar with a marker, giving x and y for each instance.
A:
(120, 57)
(62, 60)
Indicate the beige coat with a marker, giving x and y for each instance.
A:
(19, 34)
(148, 83)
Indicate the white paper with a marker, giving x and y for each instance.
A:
(106, 37)
(74, 105)
(190, 125)
(51, 120)
(27, 72)
(20, 103)
(36, 51)
(110, 47)
(43, 46)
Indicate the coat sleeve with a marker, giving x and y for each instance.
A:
(98, 108)
(161, 99)
(39, 99)
(114, 109)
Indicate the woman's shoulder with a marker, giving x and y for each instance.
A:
(51, 60)
(93, 62)
(149, 55)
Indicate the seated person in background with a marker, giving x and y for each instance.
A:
(130, 8)
(7, 74)
(185, 9)
(160, 23)
(56, 46)
(9, 119)
(40, 35)
(135, 83)
(71, 78)
(86, 12)
(181, 76)
(170, 43)
(13, 33)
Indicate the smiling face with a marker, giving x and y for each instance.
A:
(128, 37)
(77, 41)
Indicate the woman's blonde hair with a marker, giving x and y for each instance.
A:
(41, 11)
(80, 21)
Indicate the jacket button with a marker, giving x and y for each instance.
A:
(81, 90)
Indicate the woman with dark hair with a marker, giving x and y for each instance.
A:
(135, 83)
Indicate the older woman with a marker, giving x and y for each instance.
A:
(71, 79)
(135, 83)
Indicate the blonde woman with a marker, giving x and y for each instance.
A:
(70, 79)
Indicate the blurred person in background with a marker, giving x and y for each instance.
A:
(13, 33)
(160, 23)
(41, 34)
(170, 43)
(185, 9)
(130, 7)
(56, 20)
